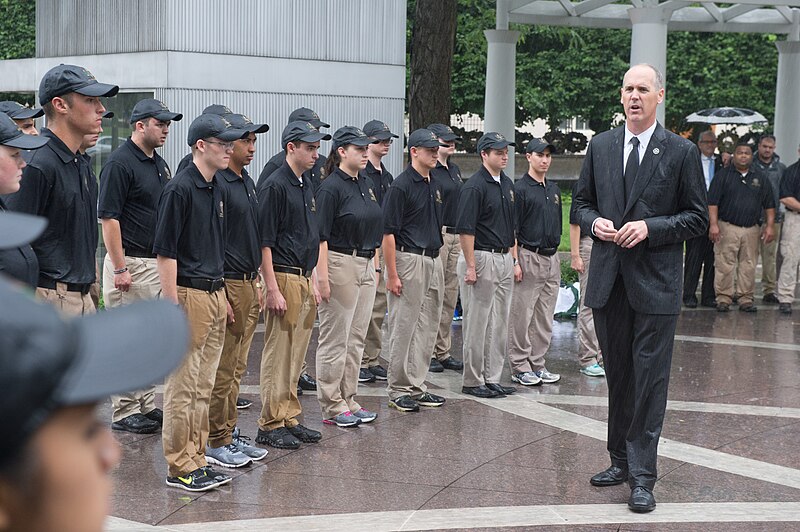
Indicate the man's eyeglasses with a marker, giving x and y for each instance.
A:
(225, 145)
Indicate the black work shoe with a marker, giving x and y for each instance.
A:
(197, 480)
(612, 476)
(480, 391)
(499, 388)
(785, 308)
(723, 307)
(156, 415)
(436, 366)
(379, 372)
(770, 299)
(241, 404)
(404, 404)
(642, 500)
(748, 307)
(365, 375)
(305, 434)
(452, 363)
(279, 438)
(307, 382)
(136, 423)
(429, 399)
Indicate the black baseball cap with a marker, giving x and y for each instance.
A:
(17, 229)
(379, 130)
(17, 111)
(63, 79)
(444, 132)
(538, 146)
(243, 122)
(150, 107)
(351, 135)
(48, 363)
(423, 138)
(209, 125)
(493, 141)
(303, 132)
(11, 136)
(304, 114)
(217, 109)
(108, 114)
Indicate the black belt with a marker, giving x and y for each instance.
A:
(198, 283)
(451, 230)
(291, 269)
(547, 252)
(432, 253)
(50, 284)
(491, 250)
(235, 276)
(139, 254)
(365, 253)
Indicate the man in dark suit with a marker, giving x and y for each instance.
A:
(700, 249)
(641, 195)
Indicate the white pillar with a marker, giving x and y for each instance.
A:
(787, 101)
(649, 41)
(501, 80)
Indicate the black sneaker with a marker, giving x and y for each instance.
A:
(404, 404)
(307, 382)
(723, 307)
(136, 423)
(241, 404)
(379, 372)
(452, 363)
(365, 375)
(429, 399)
(305, 434)
(785, 308)
(219, 476)
(771, 299)
(197, 480)
(279, 438)
(748, 307)
(156, 415)
(436, 366)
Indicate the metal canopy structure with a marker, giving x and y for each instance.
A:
(649, 20)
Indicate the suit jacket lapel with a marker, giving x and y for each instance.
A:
(615, 167)
(655, 150)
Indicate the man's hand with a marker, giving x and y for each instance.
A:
(631, 234)
(713, 233)
(471, 277)
(229, 308)
(394, 285)
(604, 229)
(122, 281)
(768, 234)
(324, 289)
(517, 272)
(276, 304)
(577, 264)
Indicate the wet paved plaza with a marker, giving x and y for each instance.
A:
(729, 456)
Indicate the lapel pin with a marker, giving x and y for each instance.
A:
(656, 151)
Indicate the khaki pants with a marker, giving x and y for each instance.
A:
(67, 303)
(449, 256)
(769, 261)
(736, 249)
(486, 306)
(145, 285)
(374, 340)
(222, 413)
(343, 323)
(790, 251)
(285, 343)
(533, 303)
(589, 349)
(188, 390)
(413, 320)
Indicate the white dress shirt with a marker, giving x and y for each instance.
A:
(644, 140)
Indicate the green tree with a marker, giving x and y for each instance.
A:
(17, 29)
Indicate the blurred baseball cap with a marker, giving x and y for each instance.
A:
(11, 136)
(493, 141)
(304, 114)
(108, 114)
(538, 146)
(150, 107)
(17, 229)
(17, 111)
(444, 132)
(210, 125)
(423, 138)
(351, 135)
(379, 130)
(303, 132)
(217, 109)
(63, 79)
(243, 122)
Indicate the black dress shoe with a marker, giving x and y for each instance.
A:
(156, 415)
(136, 423)
(690, 303)
(642, 500)
(307, 382)
(612, 476)
(480, 391)
(502, 390)
(452, 363)
(770, 299)
(711, 303)
(436, 366)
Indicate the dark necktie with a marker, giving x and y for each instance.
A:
(632, 167)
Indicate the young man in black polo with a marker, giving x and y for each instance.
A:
(25, 117)
(190, 249)
(289, 250)
(485, 226)
(130, 186)
(58, 185)
(412, 236)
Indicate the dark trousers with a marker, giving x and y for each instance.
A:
(637, 351)
(699, 256)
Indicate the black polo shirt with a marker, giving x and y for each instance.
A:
(412, 211)
(58, 185)
(313, 176)
(537, 210)
(740, 199)
(19, 263)
(348, 212)
(790, 184)
(242, 242)
(449, 179)
(184, 162)
(486, 210)
(381, 181)
(130, 187)
(191, 225)
(287, 219)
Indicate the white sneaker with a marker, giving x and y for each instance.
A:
(527, 378)
(595, 370)
(227, 456)
(547, 377)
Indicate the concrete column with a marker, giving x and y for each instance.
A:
(649, 41)
(787, 101)
(501, 80)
